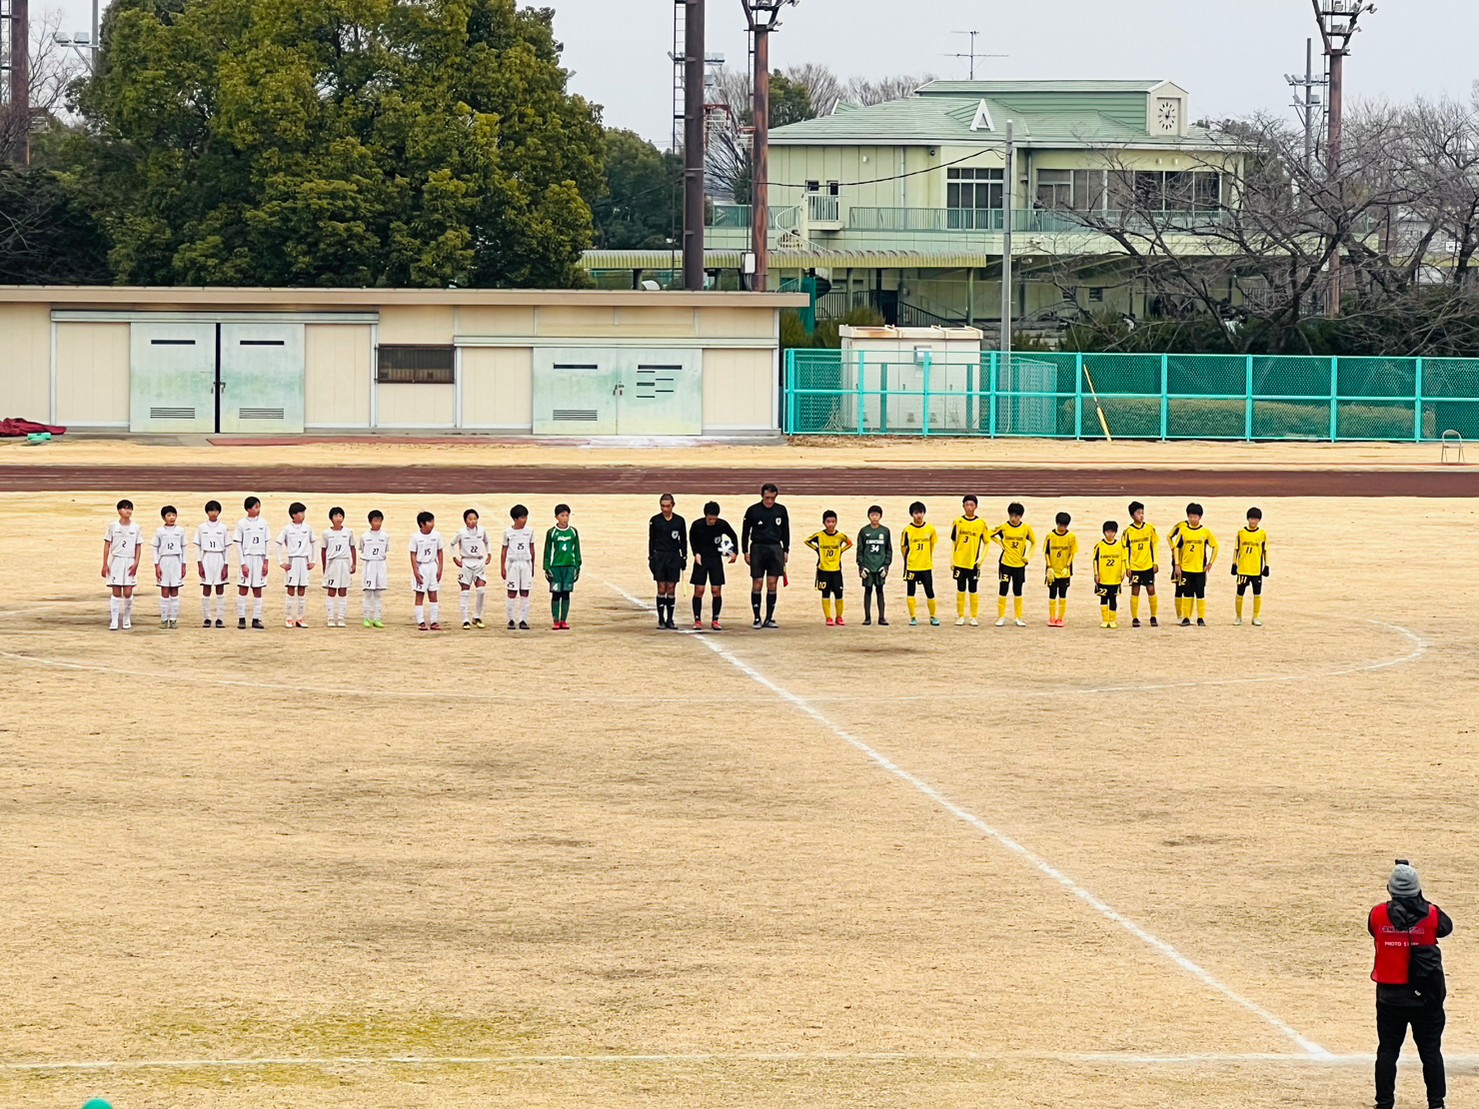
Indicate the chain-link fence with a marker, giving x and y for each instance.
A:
(1139, 396)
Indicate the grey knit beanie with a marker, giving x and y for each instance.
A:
(1404, 881)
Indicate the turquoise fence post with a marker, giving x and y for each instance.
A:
(788, 386)
(925, 416)
(995, 374)
(883, 398)
(1334, 399)
(862, 394)
(1417, 404)
(1165, 396)
(1078, 396)
(1248, 398)
(971, 369)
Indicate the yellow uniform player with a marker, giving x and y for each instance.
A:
(1017, 542)
(968, 534)
(1140, 540)
(917, 544)
(830, 544)
(1250, 566)
(1109, 574)
(1059, 550)
(1193, 553)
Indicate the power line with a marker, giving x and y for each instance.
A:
(881, 180)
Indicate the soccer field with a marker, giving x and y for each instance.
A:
(856, 866)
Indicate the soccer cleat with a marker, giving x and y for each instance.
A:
(830, 622)
(1201, 623)
(1185, 623)
(113, 625)
(672, 627)
(1020, 623)
(257, 625)
(771, 624)
(1001, 622)
(1114, 625)
(757, 622)
(1135, 623)
(241, 622)
(207, 623)
(556, 626)
(421, 627)
(960, 621)
(1238, 622)
(369, 623)
(698, 625)
(882, 623)
(512, 625)
(841, 623)
(564, 625)
(164, 622)
(1104, 623)
(867, 621)
(300, 623)
(914, 621)
(975, 623)
(523, 627)
(1154, 623)
(934, 621)
(436, 627)
(716, 626)
(1257, 621)
(478, 623)
(288, 624)
(467, 625)
(127, 624)
(220, 623)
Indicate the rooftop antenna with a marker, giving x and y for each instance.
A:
(1337, 21)
(973, 55)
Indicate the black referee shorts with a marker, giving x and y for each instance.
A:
(708, 573)
(666, 568)
(767, 560)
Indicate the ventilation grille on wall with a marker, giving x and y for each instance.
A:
(576, 415)
(171, 413)
(260, 413)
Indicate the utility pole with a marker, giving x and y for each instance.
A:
(763, 17)
(1308, 103)
(16, 59)
(693, 146)
(1007, 300)
(973, 55)
(1337, 21)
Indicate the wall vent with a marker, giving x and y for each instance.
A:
(576, 415)
(260, 413)
(171, 413)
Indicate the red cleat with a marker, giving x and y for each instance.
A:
(830, 621)
(715, 625)
(841, 623)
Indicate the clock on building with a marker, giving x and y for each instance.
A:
(1168, 116)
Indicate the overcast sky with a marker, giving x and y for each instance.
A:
(1232, 56)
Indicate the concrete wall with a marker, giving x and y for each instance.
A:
(92, 374)
(338, 374)
(25, 361)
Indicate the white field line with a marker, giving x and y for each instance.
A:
(710, 1058)
(1041, 865)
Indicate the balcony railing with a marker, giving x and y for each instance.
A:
(737, 217)
(1038, 220)
(823, 208)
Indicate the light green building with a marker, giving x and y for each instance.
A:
(903, 204)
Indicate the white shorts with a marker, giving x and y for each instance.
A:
(472, 573)
(215, 569)
(375, 577)
(430, 583)
(520, 577)
(253, 571)
(297, 572)
(118, 572)
(337, 575)
(171, 572)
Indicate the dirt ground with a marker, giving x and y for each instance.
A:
(859, 866)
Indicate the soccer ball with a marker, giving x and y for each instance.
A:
(726, 546)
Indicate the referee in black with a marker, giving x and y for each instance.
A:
(765, 539)
(667, 554)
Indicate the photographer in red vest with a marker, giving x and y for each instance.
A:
(1409, 984)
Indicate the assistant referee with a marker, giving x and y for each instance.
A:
(765, 539)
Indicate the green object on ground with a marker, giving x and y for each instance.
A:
(97, 1102)
(39, 437)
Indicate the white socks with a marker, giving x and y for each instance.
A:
(525, 601)
(114, 605)
(466, 600)
(241, 607)
(513, 608)
(420, 614)
(435, 611)
(482, 597)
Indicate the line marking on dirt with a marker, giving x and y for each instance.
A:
(1037, 862)
(1106, 1058)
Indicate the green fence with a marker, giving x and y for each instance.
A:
(1142, 396)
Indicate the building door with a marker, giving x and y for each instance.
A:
(575, 392)
(261, 382)
(172, 377)
(660, 392)
(618, 391)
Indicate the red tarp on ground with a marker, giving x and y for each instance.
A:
(16, 429)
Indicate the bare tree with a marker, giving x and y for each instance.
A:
(864, 91)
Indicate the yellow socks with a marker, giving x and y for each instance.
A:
(1062, 608)
(975, 605)
(827, 607)
(839, 608)
(1017, 606)
(1134, 606)
(931, 603)
(1155, 605)
(1201, 609)
(1257, 607)
(960, 604)
(1238, 605)
(1104, 614)
(913, 606)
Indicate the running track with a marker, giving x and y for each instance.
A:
(735, 481)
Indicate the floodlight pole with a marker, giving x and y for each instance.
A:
(18, 114)
(693, 146)
(763, 16)
(1337, 20)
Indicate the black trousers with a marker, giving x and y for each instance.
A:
(1427, 1033)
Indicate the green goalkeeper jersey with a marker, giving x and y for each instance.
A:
(561, 548)
(875, 548)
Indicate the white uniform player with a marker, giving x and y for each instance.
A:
(337, 547)
(121, 551)
(471, 553)
(252, 539)
(518, 571)
(425, 548)
(374, 551)
(211, 540)
(297, 546)
(170, 546)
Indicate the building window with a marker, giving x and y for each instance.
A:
(1088, 190)
(1055, 189)
(813, 186)
(1096, 295)
(974, 199)
(1167, 191)
(415, 365)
